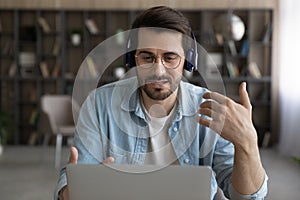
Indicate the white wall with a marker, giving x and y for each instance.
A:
(289, 76)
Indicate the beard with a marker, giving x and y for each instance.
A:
(161, 92)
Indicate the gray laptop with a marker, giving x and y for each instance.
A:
(114, 182)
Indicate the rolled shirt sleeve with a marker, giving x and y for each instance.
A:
(259, 195)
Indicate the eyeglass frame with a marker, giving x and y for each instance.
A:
(154, 59)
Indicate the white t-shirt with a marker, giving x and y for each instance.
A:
(160, 151)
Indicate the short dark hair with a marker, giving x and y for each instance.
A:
(163, 17)
(158, 17)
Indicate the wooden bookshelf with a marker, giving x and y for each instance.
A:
(21, 91)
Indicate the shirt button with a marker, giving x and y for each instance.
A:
(175, 129)
(186, 160)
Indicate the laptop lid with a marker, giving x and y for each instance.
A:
(113, 182)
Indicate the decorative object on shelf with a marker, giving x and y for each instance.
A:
(230, 26)
(119, 72)
(27, 62)
(76, 37)
(120, 37)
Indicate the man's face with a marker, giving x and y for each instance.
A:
(162, 77)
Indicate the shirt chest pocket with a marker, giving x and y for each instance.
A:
(121, 156)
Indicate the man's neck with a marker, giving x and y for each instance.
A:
(159, 108)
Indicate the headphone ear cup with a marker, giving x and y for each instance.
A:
(189, 60)
(129, 59)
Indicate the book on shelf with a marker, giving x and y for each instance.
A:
(266, 139)
(266, 38)
(44, 69)
(33, 117)
(56, 70)
(1, 27)
(56, 47)
(91, 67)
(92, 26)
(232, 69)
(33, 138)
(232, 47)
(8, 47)
(213, 61)
(44, 24)
(12, 69)
(254, 70)
(219, 39)
(245, 48)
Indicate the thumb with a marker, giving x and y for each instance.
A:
(73, 155)
(244, 97)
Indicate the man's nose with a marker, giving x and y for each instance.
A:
(158, 67)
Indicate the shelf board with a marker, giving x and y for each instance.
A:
(7, 56)
(260, 43)
(240, 79)
(49, 56)
(27, 102)
(247, 79)
(6, 78)
(29, 78)
(51, 33)
(261, 103)
(7, 33)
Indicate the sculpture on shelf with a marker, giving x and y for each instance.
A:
(230, 26)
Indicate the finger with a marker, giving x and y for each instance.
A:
(244, 97)
(73, 155)
(204, 122)
(215, 96)
(211, 105)
(205, 111)
(109, 160)
(214, 115)
(215, 126)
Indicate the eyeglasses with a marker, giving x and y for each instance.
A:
(169, 60)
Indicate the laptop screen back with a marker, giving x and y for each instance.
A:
(170, 183)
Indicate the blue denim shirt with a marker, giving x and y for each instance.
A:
(112, 123)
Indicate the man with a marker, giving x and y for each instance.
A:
(156, 118)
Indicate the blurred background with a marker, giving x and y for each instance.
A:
(44, 43)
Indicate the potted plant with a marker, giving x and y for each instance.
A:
(297, 160)
(5, 126)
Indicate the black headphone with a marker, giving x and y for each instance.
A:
(189, 65)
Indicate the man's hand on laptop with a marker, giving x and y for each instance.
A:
(64, 192)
